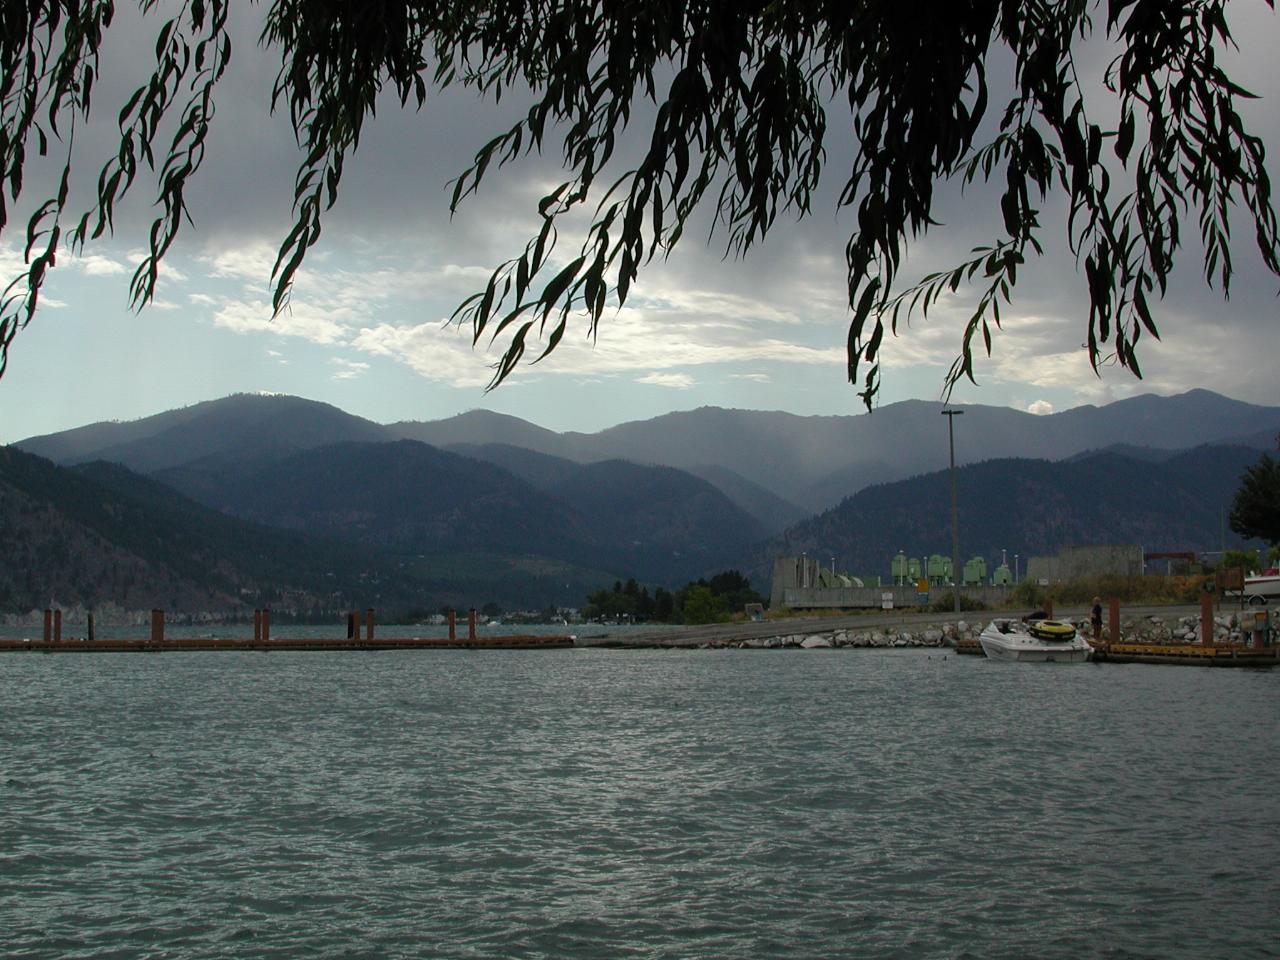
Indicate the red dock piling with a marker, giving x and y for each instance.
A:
(368, 624)
(471, 624)
(1113, 619)
(266, 625)
(48, 625)
(57, 626)
(1048, 608)
(257, 626)
(157, 627)
(453, 625)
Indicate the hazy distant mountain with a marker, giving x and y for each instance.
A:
(654, 523)
(809, 462)
(244, 427)
(100, 532)
(659, 519)
(776, 468)
(771, 513)
(814, 462)
(403, 496)
(1028, 507)
(424, 527)
(1129, 450)
(484, 427)
(542, 470)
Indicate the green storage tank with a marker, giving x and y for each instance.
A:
(939, 568)
(975, 572)
(898, 568)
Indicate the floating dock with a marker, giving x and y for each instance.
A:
(1188, 654)
(1261, 652)
(146, 645)
(357, 638)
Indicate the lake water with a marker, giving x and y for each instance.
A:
(589, 803)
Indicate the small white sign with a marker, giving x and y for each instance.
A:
(886, 601)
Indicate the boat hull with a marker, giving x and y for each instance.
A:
(1015, 645)
(1260, 590)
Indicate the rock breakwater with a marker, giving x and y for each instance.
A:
(1172, 630)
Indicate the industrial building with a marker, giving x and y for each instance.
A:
(804, 583)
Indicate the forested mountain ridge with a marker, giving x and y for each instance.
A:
(243, 426)
(1029, 507)
(393, 522)
(496, 521)
(779, 467)
(100, 533)
(406, 497)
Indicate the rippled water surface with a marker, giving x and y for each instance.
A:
(586, 803)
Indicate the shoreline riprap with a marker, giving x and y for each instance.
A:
(1228, 628)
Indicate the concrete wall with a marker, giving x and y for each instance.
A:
(1096, 560)
(874, 597)
(790, 573)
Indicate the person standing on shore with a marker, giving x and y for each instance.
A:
(1095, 618)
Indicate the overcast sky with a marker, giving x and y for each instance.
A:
(367, 331)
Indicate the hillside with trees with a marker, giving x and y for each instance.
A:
(1031, 507)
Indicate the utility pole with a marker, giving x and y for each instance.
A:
(955, 513)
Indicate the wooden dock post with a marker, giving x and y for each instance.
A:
(1260, 630)
(1113, 619)
(266, 625)
(257, 626)
(1206, 619)
(91, 634)
(453, 624)
(368, 624)
(57, 626)
(48, 625)
(471, 624)
(157, 627)
(1048, 608)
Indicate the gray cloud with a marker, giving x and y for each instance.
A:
(390, 245)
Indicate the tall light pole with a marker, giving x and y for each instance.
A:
(955, 513)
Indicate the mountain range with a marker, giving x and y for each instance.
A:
(1030, 507)
(779, 467)
(488, 504)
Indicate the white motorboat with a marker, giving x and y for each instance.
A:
(1039, 641)
(1262, 587)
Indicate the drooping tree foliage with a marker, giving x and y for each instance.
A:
(1255, 510)
(734, 98)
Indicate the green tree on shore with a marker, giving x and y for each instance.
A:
(709, 601)
(700, 605)
(700, 601)
(1255, 510)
